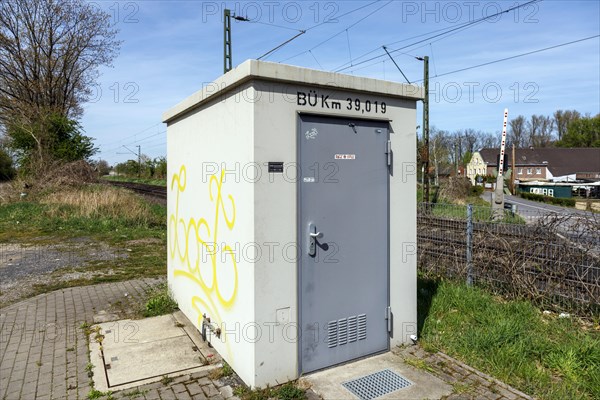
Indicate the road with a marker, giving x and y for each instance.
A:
(529, 208)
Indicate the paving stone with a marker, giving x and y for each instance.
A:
(199, 374)
(152, 395)
(204, 381)
(178, 388)
(194, 388)
(226, 391)
(167, 394)
(210, 390)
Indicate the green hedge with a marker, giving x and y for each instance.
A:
(547, 199)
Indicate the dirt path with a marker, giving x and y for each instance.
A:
(24, 268)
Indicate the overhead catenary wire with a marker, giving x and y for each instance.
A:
(338, 33)
(130, 136)
(444, 31)
(515, 56)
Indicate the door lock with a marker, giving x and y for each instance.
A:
(313, 235)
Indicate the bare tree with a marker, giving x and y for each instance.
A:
(562, 119)
(440, 150)
(50, 51)
(489, 140)
(516, 133)
(539, 130)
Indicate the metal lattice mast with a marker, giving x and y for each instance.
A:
(227, 60)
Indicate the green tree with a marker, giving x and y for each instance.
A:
(50, 52)
(56, 138)
(582, 132)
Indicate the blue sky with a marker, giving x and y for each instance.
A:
(172, 48)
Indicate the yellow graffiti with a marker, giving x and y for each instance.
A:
(201, 239)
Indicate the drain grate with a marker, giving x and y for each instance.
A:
(376, 384)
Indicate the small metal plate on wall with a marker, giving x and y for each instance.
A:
(276, 167)
(376, 384)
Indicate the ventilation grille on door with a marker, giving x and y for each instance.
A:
(346, 330)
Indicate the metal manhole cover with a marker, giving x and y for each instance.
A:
(377, 384)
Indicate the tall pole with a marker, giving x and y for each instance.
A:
(227, 61)
(139, 160)
(426, 123)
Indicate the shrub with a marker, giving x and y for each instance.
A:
(567, 202)
(476, 190)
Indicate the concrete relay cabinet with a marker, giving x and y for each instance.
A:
(292, 217)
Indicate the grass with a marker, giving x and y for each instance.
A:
(480, 213)
(542, 355)
(288, 391)
(160, 302)
(131, 227)
(147, 181)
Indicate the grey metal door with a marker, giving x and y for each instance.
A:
(343, 231)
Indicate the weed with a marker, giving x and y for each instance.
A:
(418, 363)
(219, 373)
(288, 391)
(96, 394)
(89, 368)
(70, 348)
(160, 302)
(165, 380)
(462, 388)
(38, 363)
(135, 393)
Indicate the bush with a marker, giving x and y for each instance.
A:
(566, 202)
(476, 190)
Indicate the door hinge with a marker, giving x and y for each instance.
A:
(390, 157)
(388, 318)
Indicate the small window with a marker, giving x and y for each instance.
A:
(528, 171)
(538, 171)
(520, 171)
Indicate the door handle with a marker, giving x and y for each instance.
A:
(313, 235)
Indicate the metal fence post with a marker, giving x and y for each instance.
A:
(469, 244)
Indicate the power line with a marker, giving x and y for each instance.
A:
(446, 31)
(127, 137)
(343, 15)
(515, 56)
(339, 33)
(281, 45)
(112, 148)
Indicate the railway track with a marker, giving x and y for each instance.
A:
(153, 191)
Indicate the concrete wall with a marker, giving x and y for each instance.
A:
(246, 119)
(210, 218)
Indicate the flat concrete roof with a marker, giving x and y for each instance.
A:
(268, 71)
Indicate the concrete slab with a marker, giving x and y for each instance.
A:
(129, 353)
(328, 383)
(134, 362)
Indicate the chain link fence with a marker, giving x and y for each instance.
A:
(552, 259)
